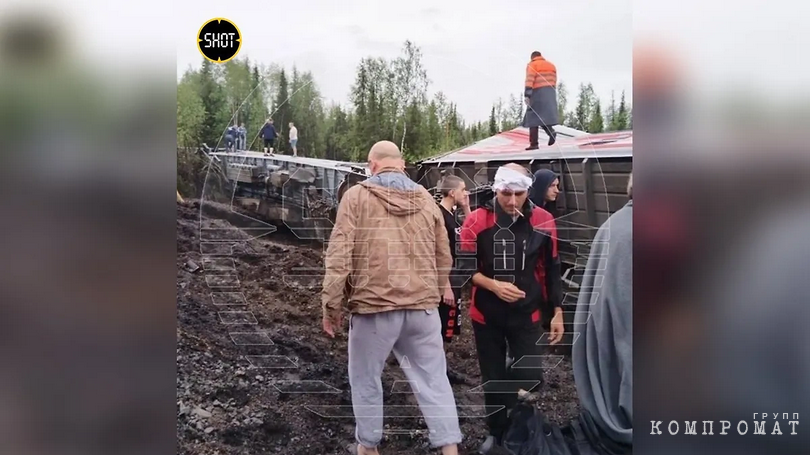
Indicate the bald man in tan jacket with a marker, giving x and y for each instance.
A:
(389, 254)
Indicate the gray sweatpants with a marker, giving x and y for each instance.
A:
(415, 334)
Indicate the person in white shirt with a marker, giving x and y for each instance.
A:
(294, 138)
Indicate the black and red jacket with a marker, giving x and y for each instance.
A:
(521, 251)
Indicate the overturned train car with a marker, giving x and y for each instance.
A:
(300, 193)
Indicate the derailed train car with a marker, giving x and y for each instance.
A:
(303, 193)
(594, 170)
(298, 192)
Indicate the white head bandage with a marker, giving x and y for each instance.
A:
(512, 180)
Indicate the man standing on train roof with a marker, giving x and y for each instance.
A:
(509, 247)
(230, 138)
(268, 133)
(540, 93)
(294, 138)
(242, 142)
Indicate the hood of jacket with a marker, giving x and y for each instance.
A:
(542, 181)
(400, 195)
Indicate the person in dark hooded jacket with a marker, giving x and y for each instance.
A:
(544, 191)
(230, 138)
(269, 134)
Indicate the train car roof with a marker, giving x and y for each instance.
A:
(571, 144)
(314, 162)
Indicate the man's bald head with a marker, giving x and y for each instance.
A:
(385, 155)
(384, 149)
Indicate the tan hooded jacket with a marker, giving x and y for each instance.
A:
(388, 249)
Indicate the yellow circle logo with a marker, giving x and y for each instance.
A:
(219, 40)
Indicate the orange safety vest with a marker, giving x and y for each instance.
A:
(540, 73)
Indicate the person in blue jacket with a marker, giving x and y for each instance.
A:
(230, 138)
(269, 135)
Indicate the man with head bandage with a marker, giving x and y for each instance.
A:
(510, 179)
(509, 248)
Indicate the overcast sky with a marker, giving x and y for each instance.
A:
(474, 52)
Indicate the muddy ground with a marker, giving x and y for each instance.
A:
(249, 330)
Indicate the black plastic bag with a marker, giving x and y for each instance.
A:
(584, 438)
(530, 433)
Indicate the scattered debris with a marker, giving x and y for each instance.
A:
(201, 413)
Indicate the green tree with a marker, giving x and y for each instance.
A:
(630, 118)
(190, 115)
(411, 84)
(493, 124)
(337, 126)
(562, 102)
(191, 118)
(583, 111)
(213, 100)
(434, 128)
(296, 102)
(454, 127)
(610, 118)
(307, 105)
(500, 115)
(621, 115)
(414, 140)
(515, 114)
(257, 109)
(370, 96)
(282, 109)
(359, 97)
(237, 88)
(596, 123)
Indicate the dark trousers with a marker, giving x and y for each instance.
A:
(534, 134)
(268, 143)
(450, 317)
(501, 385)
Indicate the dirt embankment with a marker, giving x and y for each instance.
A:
(249, 331)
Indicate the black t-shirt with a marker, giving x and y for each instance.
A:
(453, 229)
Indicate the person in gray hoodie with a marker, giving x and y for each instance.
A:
(603, 354)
